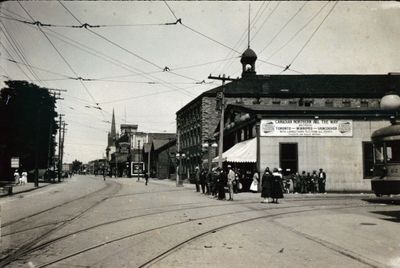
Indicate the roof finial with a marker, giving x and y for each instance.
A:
(248, 30)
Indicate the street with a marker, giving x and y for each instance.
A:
(88, 222)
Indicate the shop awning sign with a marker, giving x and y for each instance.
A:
(306, 128)
(14, 162)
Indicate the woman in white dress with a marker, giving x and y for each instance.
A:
(24, 177)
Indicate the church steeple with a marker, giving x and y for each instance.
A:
(113, 132)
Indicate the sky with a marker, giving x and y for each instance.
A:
(135, 57)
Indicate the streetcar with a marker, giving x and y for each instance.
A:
(386, 143)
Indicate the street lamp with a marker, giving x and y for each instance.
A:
(208, 145)
(179, 156)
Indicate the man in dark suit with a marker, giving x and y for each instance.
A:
(321, 180)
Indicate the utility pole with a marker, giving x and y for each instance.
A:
(59, 147)
(62, 143)
(221, 124)
(50, 153)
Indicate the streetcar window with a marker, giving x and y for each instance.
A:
(393, 151)
(379, 156)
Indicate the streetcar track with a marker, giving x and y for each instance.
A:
(51, 208)
(173, 249)
(204, 205)
(26, 248)
(346, 252)
(197, 236)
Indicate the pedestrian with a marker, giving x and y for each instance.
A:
(197, 178)
(303, 182)
(308, 182)
(321, 180)
(266, 185)
(16, 177)
(221, 182)
(104, 174)
(314, 180)
(24, 178)
(276, 189)
(230, 181)
(209, 183)
(146, 178)
(254, 183)
(296, 182)
(203, 180)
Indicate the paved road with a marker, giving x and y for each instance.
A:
(87, 222)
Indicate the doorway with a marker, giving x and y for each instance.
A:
(288, 158)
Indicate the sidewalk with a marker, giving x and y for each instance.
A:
(257, 196)
(18, 189)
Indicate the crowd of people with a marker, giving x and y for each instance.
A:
(273, 184)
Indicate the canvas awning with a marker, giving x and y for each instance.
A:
(242, 152)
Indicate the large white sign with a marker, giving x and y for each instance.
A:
(306, 127)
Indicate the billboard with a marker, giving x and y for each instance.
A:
(306, 128)
(137, 168)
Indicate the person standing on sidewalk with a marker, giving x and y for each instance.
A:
(321, 180)
(24, 178)
(266, 185)
(146, 178)
(231, 178)
(197, 178)
(16, 176)
(276, 191)
(203, 180)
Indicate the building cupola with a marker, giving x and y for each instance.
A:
(248, 61)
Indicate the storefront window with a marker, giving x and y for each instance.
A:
(393, 151)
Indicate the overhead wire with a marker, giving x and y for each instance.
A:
(313, 34)
(253, 22)
(298, 31)
(188, 93)
(283, 27)
(62, 57)
(265, 20)
(17, 49)
(10, 55)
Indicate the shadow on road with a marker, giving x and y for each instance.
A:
(384, 200)
(393, 216)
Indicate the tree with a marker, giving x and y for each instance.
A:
(76, 166)
(27, 126)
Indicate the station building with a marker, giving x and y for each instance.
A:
(300, 139)
(335, 97)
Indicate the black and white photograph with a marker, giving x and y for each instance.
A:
(176, 134)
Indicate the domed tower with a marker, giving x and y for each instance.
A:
(248, 61)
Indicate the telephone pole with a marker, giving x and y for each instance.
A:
(221, 124)
(60, 129)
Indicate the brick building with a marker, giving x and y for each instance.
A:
(197, 120)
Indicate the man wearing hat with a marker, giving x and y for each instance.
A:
(321, 180)
(231, 178)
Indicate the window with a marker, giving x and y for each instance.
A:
(346, 103)
(276, 102)
(364, 104)
(308, 103)
(393, 151)
(368, 159)
(329, 103)
(379, 156)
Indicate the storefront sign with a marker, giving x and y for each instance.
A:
(15, 162)
(306, 127)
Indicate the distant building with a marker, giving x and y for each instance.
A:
(134, 146)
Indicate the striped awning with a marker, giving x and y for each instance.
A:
(242, 152)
